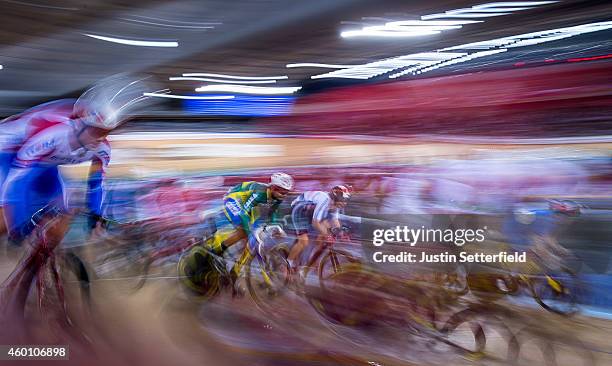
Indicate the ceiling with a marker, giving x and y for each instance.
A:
(46, 52)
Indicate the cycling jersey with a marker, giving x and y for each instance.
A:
(247, 204)
(18, 128)
(34, 180)
(15, 130)
(309, 206)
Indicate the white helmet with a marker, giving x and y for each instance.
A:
(282, 180)
(111, 101)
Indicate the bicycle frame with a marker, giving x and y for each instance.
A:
(42, 256)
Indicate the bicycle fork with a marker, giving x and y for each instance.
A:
(554, 284)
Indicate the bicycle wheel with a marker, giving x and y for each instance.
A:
(350, 297)
(267, 278)
(556, 293)
(196, 274)
(76, 282)
(478, 334)
(535, 347)
(159, 256)
(122, 267)
(333, 262)
(62, 301)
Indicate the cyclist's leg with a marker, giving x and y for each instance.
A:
(237, 235)
(297, 249)
(44, 208)
(225, 236)
(17, 285)
(244, 259)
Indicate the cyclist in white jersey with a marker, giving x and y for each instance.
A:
(316, 211)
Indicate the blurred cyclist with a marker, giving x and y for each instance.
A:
(33, 192)
(247, 208)
(537, 229)
(319, 211)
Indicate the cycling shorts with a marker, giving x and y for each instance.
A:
(46, 189)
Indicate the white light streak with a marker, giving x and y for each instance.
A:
(483, 45)
(168, 21)
(262, 90)
(133, 42)
(223, 81)
(528, 39)
(386, 33)
(168, 25)
(427, 26)
(488, 10)
(236, 76)
(515, 3)
(529, 42)
(459, 60)
(40, 5)
(372, 69)
(462, 15)
(314, 64)
(427, 61)
(431, 22)
(173, 96)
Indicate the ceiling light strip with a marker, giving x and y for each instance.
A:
(181, 78)
(194, 97)
(224, 76)
(470, 51)
(246, 89)
(134, 42)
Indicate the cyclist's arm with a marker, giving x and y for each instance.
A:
(335, 219)
(320, 226)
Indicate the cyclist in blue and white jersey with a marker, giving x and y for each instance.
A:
(316, 211)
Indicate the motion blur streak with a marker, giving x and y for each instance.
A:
(589, 58)
(223, 81)
(377, 68)
(426, 26)
(443, 200)
(236, 76)
(169, 25)
(134, 42)
(173, 96)
(247, 89)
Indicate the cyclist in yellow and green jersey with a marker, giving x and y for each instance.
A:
(247, 207)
